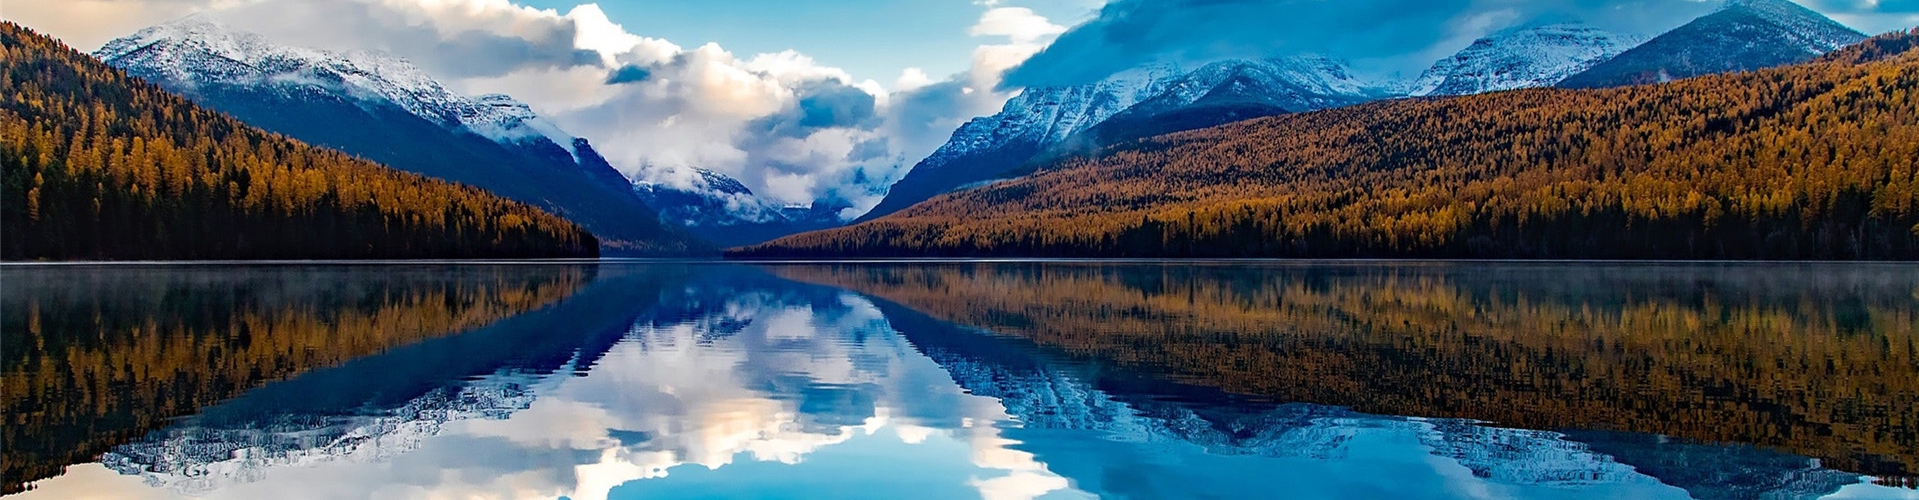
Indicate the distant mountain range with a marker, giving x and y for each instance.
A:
(1042, 124)
(722, 210)
(1139, 103)
(1809, 161)
(402, 117)
(382, 108)
(1524, 57)
(1743, 35)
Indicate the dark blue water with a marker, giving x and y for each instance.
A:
(963, 380)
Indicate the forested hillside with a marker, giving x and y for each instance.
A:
(98, 165)
(1813, 161)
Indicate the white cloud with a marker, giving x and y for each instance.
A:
(1017, 23)
(88, 24)
(791, 128)
(912, 79)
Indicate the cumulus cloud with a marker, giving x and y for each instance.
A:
(793, 130)
(790, 128)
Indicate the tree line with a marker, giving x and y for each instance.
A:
(99, 165)
(1812, 161)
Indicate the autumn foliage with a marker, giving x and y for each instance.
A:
(98, 165)
(1813, 161)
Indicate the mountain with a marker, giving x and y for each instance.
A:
(1028, 123)
(722, 210)
(1229, 91)
(1523, 57)
(1737, 166)
(383, 108)
(1146, 101)
(1743, 35)
(100, 165)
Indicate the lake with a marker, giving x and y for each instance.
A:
(964, 380)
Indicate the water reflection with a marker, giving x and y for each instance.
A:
(1819, 359)
(98, 355)
(994, 381)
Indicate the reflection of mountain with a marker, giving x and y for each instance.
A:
(1048, 394)
(99, 355)
(1713, 472)
(1815, 360)
(679, 367)
(725, 380)
(381, 406)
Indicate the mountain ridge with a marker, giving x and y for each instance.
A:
(1472, 177)
(1522, 57)
(1724, 41)
(1048, 122)
(385, 109)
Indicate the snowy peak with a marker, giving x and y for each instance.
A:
(1125, 104)
(722, 209)
(1816, 33)
(1049, 114)
(1743, 35)
(198, 51)
(1299, 83)
(1524, 57)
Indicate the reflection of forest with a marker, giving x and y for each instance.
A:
(1819, 360)
(97, 356)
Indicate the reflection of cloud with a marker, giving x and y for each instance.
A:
(1020, 485)
(707, 392)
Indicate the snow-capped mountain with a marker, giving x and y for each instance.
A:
(723, 210)
(385, 109)
(1149, 100)
(1742, 35)
(1523, 57)
(199, 50)
(1227, 91)
(1035, 119)
(198, 459)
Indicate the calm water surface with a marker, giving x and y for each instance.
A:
(994, 380)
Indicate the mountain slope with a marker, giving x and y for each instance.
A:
(1744, 35)
(1225, 92)
(382, 108)
(99, 165)
(722, 210)
(1051, 122)
(1032, 121)
(1537, 56)
(1809, 161)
